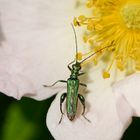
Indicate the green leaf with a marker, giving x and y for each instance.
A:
(17, 126)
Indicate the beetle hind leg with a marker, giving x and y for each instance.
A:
(82, 99)
(62, 99)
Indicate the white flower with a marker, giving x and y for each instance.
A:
(36, 46)
(30, 50)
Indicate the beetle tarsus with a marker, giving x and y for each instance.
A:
(61, 118)
(86, 118)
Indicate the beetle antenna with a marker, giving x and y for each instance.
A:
(75, 40)
(97, 52)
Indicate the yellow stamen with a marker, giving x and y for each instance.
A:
(79, 56)
(106, 75)
(117, 21)
(82, 18)
(76, 22)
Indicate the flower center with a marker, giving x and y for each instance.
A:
(131, 15)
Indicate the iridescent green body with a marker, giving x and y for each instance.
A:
(72, 97)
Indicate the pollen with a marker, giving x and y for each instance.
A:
(76, 22)
(117, 22)
(106, 75)
(79, 56)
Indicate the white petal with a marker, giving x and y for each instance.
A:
(106, 124)
(129, 90)
(36, 47)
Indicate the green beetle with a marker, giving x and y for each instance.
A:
(73, 83)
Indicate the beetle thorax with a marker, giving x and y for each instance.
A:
(75, 70)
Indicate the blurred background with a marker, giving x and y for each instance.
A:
(26, 120)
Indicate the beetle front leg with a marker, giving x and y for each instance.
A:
(62, 81)
(82, 73)
(84, 85)
(62, 99)
(69, 65)
(82, 99)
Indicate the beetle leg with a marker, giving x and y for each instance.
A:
(82, 84)
(82, 99)
(82, 73)
(63, 81)
(62, 98)
(70, 64)
(69, 67)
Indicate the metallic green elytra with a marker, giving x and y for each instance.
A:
(72, 97)
(73, 84)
